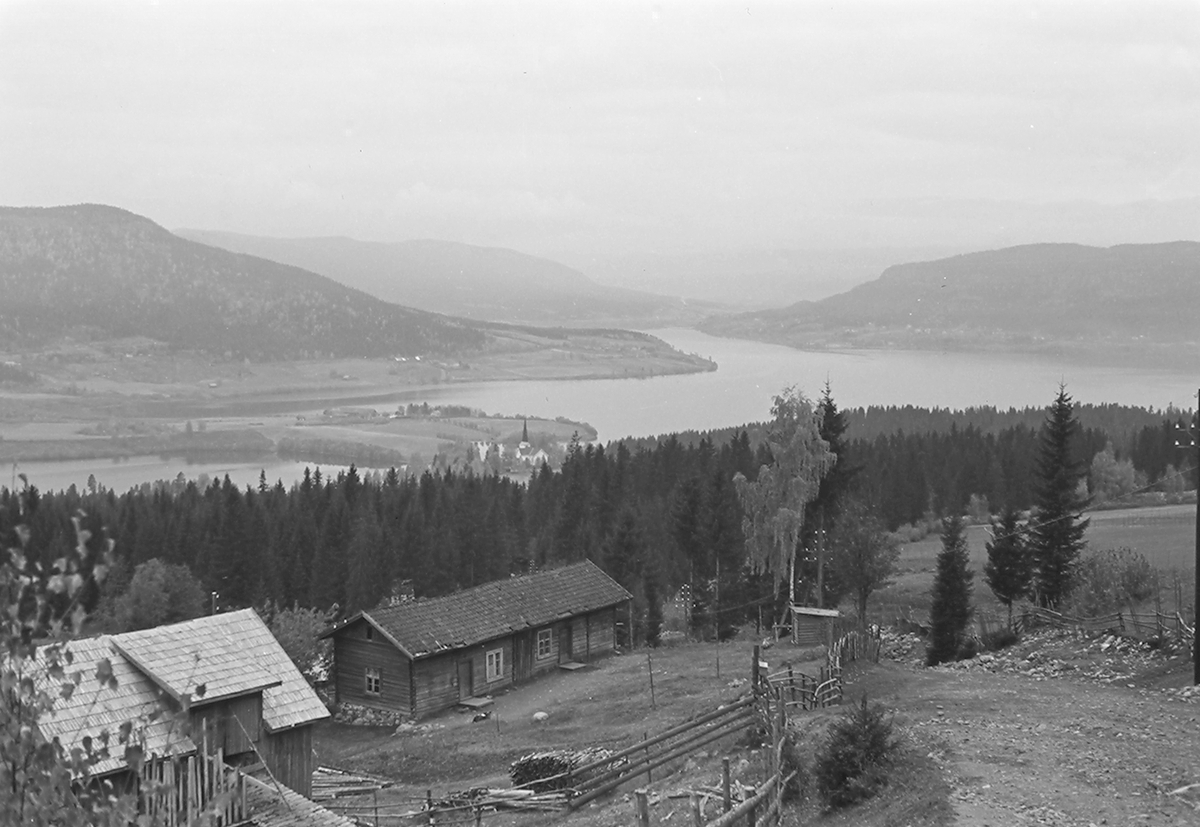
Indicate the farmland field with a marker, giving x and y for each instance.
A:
(1166, 535)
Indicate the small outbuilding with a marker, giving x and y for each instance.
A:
(415, 658)
(814, 627)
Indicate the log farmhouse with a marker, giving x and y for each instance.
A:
(236, 706)
(415, 658)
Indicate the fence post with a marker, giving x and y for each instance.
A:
(429, 806)
(726, 797)
(754, 669)
(641, 802)
(649, 777)
(752, 816)
(697, 815)
(650, 669)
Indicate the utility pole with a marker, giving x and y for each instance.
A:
(1190, 438)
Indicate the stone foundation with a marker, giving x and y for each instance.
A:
(358, 715)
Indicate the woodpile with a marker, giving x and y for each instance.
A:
(549, 770)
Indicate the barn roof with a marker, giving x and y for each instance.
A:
(228, 654)
(426, 627)
(95, 707)
(231, 653)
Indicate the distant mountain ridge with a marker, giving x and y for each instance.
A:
(94, 270)
(482, 283)
(1027, 296)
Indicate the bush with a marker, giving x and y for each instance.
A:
(852, 764)
(1002, 638)
(1108, 580)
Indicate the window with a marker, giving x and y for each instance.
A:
(370, 632)
(374, 681)
(543, 644)
(495, 665)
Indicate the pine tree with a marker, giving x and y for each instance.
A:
(1008, 572)
(951, 610)
(1056, 538)
(822, 513)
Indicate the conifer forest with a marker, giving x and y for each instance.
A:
(657, 514)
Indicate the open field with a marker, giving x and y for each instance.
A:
(1166, 535)
(133, 398)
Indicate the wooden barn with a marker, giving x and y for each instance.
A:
(418, 657)
(256, 706)
(254, 710)
(814, 627)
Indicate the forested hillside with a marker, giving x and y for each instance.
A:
(91, 271)
(484, 283)
(1033, 297)
(657, 515)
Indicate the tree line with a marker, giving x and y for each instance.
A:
(659, 515)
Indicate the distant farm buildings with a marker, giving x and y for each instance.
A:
(417, 657)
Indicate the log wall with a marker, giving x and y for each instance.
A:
(435, 679)
(353, 654)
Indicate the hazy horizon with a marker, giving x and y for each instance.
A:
(587, 133)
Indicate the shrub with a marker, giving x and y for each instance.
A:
(852, 764)
(1108, 580)
(1002, 638)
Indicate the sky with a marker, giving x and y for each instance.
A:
(583, 130)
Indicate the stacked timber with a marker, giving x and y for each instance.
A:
(549, 770)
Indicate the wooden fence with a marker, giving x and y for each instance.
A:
(175, 792)
(804, 691)
(1143, 625)
(606, 774)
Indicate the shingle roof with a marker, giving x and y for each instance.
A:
(94, 708)
(425, 627)
(183, 657)
(229, 654)
(271, 806)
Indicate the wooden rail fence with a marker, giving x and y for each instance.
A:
(1140, 625)
(605, 775)
(825, 689)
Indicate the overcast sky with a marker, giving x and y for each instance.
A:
(571, 128)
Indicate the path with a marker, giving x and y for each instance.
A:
(1022, 751)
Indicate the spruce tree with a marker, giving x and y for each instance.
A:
(1008, 572)
(1056, 536)
(951, 611)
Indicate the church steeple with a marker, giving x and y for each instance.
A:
(524, 430)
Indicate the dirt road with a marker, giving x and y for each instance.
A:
(1018, 750)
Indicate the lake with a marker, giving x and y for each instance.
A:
(749, 374)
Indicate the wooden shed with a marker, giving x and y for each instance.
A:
(418, 657)
(248, 707)
(256, 706)
(814, 627)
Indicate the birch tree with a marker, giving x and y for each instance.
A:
(774, 503)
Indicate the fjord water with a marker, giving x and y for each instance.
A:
(749, 374)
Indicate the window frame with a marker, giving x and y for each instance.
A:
(545, 636)
(373, 674)
(494, 664)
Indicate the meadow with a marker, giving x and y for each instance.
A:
(1166, 535)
